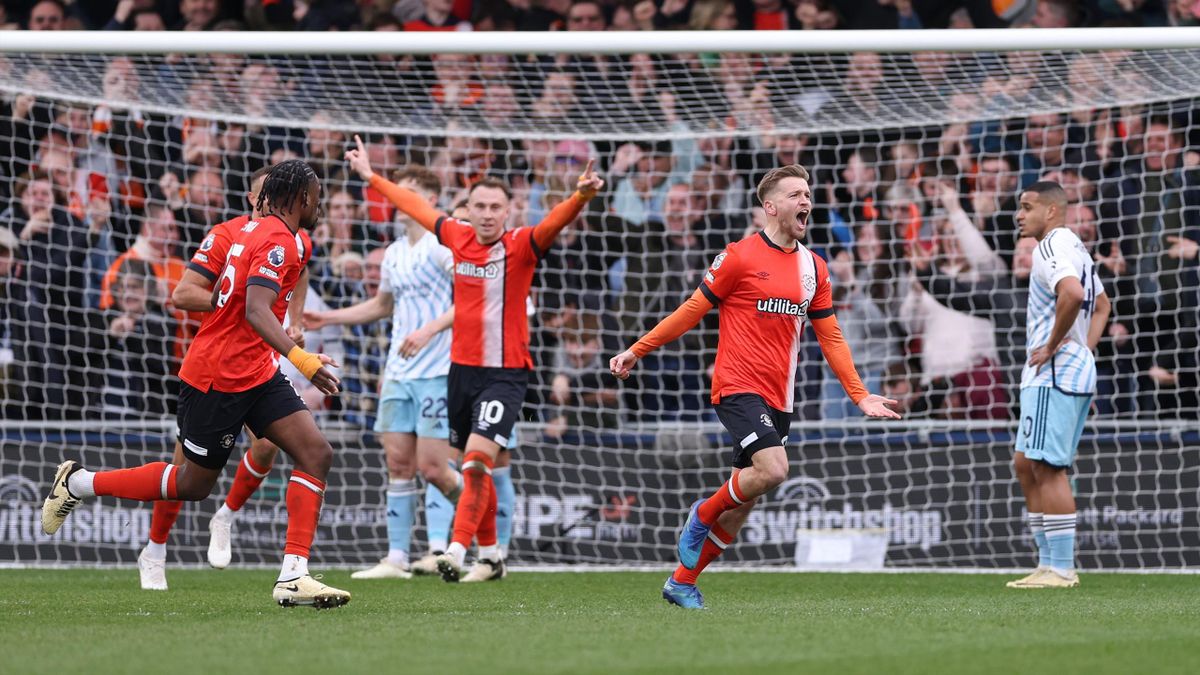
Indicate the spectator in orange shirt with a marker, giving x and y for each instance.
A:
(156, 244)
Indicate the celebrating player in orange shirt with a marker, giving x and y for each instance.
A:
(489, 351)
(230, 378)
(194, 294)
(765, 285)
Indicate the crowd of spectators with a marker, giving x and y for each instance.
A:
(101, 206)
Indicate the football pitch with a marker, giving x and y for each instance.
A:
(99, 621)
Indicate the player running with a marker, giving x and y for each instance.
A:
(489, 352)
(765, 285)
(194, 294)
(230, 377)
(1065, 319)
(417, 292)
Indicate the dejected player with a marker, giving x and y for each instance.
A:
(230, 377)
(489, 353)
(764, 286)
(416, 291)
(1067, 313)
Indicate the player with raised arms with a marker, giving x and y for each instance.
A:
(230, 377)
(194, 294)
(1065, 318)
(489, 352)
(765, 287)
(417, 291)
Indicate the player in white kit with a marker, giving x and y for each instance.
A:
(416, 291)
(1066, 316)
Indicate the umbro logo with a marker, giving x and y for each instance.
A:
(763, 275)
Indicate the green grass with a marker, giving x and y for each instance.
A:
(215, 622)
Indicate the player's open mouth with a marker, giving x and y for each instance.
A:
(802, 217)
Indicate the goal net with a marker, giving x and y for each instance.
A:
(114, 162)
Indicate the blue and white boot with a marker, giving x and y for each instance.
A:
(691, 538)
(686, 596)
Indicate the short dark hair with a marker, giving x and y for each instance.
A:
(1009, 160)
(382, 20)
(426, 179)
(495, 184)
(1158, 119)
(1050, 191)
(775, 175)
(25, 179)
(260, 172)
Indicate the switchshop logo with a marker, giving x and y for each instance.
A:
(805, 503)
(90, 523)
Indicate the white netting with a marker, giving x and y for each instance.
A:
(922, 151)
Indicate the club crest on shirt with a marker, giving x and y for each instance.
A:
(810, 282)
(716, 263)
(207, 243)
(276, 256)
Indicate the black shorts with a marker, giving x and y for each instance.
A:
(484, 401)
(753, 424)
(211, 421)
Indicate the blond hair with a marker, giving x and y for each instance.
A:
(774, 176)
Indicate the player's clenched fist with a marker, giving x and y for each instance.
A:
(325, 381)
(313, 367)
(622, 363)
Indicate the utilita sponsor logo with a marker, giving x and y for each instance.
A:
(782, 306)
(466, 269)
(803, 503)
(90, 523)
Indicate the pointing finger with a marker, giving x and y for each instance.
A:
(587, 170)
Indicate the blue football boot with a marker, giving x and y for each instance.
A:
(691, 538)
(686, 596)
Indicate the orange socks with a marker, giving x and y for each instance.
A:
(147, 483)
(245, 482)
(304, 495)
(486, 534)
(729, 496)
(477, 496)
(714, 546)
(163, 519)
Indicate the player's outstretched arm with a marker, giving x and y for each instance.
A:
(259, 300)
(412, 204)
(1066, 310)
(837, 354)
(193, 293)
(669, 329)
(367, 311)
(416, 340)
(560, 216)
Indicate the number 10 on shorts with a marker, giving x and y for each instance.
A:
(490, 412)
